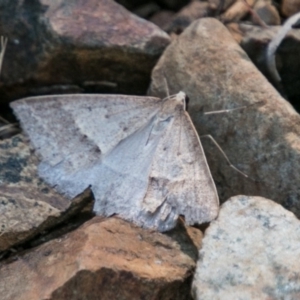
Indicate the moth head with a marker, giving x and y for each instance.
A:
(181, 98)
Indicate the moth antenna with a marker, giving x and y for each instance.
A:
(166, 85)
(232, 109)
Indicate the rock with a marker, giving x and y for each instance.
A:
(193, 11)
(251, 251)
(146, 10)
(162, 18)
(267, 12)
(103, 259)
(254, 41)
(290, 7)
(262, 140)
(133, 4)
(28, 206)
(238, 10)
(220, 5)
(92, 45)
(173, 4)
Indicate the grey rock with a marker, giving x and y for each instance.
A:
(251, 251)
(28, 206)
(262, 140)
(266, 12)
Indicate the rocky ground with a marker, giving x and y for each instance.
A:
(217, 52)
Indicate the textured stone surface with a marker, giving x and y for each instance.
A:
(62, 46)
(237, 11)
(104, 259)
(28, 206)
(254, 40)
(221, 5)
(191, 12)
(290, 7)
(251, 251)
(262, 140)
(267, 12)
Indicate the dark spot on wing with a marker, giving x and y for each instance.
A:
(83, 138)
(165, 148)
(125, 128)
(106, 116)
(97, 149)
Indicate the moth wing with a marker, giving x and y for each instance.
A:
(72, 133)
(180, 182)
(121, 180)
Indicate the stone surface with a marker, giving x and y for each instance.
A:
(254, 40)
(290, 7)
(62, 46)
(193, 11)
(251, 251)
(162, 18)
(28, 206)
(221, 5)
(262, 140)
(104, 259)
(237, 11)
(267, 12)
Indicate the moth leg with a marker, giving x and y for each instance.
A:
(224, 154)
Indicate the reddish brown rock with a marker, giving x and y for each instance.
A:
(262, 140)
(80, 46)
(103, 259)
(28, 206)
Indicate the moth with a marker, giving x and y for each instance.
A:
(141, 156)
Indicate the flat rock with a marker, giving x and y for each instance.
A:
(254, 40)
(28, 206)
(104, 259)
(262, 140)
(64, 47)
(251, 251)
